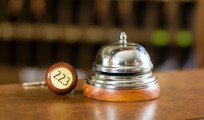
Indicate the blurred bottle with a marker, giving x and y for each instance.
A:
(184, 38)
(139, 13)
(161, 37)
(125, 10)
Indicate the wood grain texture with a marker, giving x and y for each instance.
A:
(182, 98)
(149, 93)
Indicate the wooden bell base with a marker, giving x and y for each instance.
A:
(149, 93)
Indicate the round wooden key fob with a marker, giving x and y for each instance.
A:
(61, 78)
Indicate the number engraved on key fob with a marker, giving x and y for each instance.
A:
(62, 78)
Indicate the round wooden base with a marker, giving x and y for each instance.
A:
(149, 93)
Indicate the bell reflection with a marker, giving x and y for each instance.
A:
(114, 111)
(149, 111)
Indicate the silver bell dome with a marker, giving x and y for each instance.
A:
(122, 57)
(122, 66)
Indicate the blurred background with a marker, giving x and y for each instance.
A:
(35, 34)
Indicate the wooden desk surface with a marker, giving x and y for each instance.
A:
(182, 97)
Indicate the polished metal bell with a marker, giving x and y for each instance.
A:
(122, 72)
(122, 66)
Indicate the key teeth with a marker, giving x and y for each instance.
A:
(29, 84)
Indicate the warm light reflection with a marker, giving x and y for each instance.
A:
(115, 110)
(149, 111)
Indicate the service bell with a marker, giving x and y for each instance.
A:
(122, 71)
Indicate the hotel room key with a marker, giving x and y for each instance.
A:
(61, 78)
